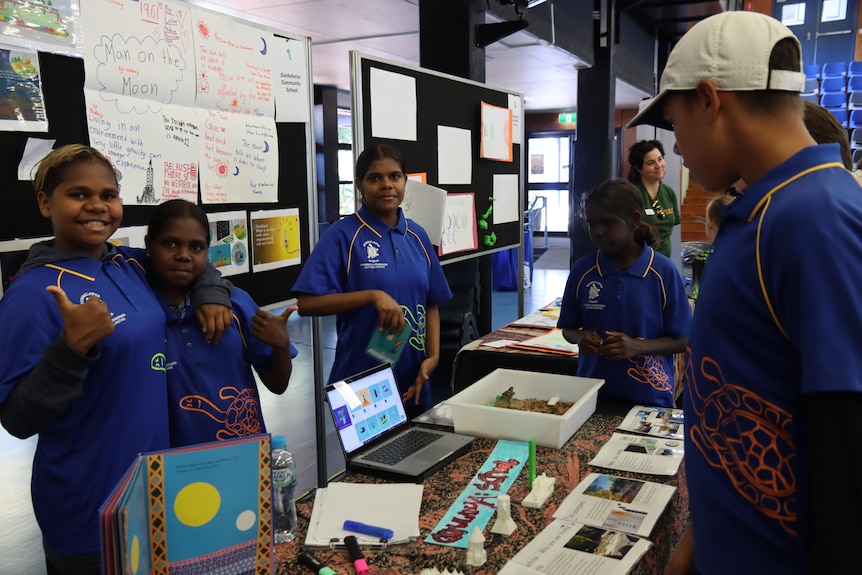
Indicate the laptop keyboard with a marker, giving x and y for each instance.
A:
(401, 447)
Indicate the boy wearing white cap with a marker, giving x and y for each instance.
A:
(774, 380)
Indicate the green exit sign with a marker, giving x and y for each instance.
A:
(568, 118)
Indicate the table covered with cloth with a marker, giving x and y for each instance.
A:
(568, 465)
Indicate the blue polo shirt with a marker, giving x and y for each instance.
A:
(122, 410)
(212, 391)
(779, 316)
(647, 300)
(360, 252)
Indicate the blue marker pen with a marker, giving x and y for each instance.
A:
(370, 530)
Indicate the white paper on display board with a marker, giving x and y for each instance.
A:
(454, 155)
(459, 224)
(34, 150)
(290, 80)
(506, 204)
(234, 65)
(139, 93)
(275, 241)
(393, 105)
(155, 155)
(130, 236)
(229, 241)
(516, 104)
(239, 158)
(425, 205)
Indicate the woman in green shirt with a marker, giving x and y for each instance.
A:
(646, 171)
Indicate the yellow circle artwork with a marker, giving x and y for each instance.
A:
(197, 503)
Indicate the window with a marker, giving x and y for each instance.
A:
(548, 159)
(833, 11)
(346, 193)
(793, 14)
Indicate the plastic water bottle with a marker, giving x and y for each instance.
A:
(283, 490)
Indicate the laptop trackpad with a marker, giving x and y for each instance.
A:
(433, 453)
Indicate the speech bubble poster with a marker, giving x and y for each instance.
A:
(140, 94)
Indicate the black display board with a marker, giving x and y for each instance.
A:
(63, 90)
(444, 100)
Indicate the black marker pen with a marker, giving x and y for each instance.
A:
(309, 561)
(359, 563)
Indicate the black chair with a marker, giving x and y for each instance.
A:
(458, 323)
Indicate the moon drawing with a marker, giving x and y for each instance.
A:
(236, 171)
(264, 46)
(265, 146)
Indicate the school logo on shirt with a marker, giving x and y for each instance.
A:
(157, 362)
(594, 290)
(372, 255)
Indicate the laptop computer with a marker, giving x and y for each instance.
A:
(371, 424)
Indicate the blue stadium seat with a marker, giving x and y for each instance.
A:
(855, 119)
(854, 100)
(857, 155)
(854, 84)
(833, 84)
(834, 69)
(856, 139)
(814, 98)
(812, 86)
(855, 68)
(834, 100)
(812, 71)
(841, 115)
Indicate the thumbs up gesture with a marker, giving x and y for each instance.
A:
(84, 325)
(272, 329)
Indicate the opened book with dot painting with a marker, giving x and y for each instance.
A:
(199, 509)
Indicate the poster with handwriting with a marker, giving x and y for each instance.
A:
(239, 161)
(139, 92)
(275, 239)
(234, 65)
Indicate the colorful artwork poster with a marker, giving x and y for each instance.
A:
(22, 107)
(155, 155)
(139, 92)
(275, 239)
(234, 65)
(228, 250)
(459, 225)
(239, 158)
(37, 22)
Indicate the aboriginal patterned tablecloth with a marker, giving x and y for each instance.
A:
(568, 465)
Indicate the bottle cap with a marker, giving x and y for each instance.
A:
(278, 442)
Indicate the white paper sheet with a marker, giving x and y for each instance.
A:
(393, 105)
(507, 208)
(425, 205)
(393, 506)
(454, 155)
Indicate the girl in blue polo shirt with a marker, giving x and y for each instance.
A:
(212, 392)
(376, 270)
(83, 356)
(625, 306)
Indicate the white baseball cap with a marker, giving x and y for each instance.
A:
(732, 50)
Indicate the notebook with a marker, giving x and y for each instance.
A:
(371, 422)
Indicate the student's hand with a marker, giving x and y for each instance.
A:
(590, 342)
(84, 325)
(618, 345)
(271, 329)
(414, 393)
(214, 319)
(391, 315)
(681, 560)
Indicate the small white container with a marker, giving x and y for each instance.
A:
(472, 416)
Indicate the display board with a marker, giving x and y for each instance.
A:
(252, 169)
(454, 134)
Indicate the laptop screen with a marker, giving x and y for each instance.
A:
(366, 406)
